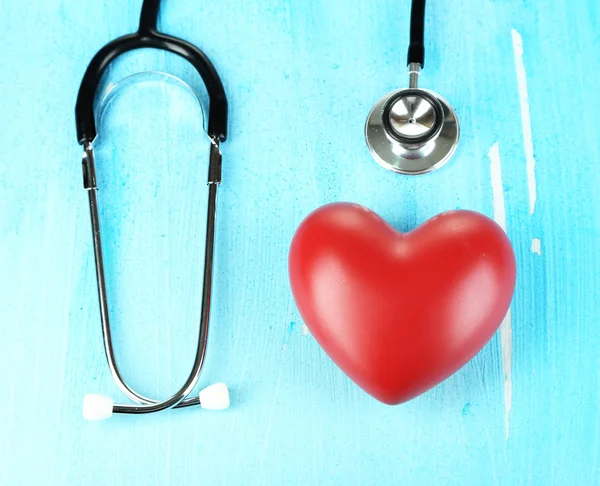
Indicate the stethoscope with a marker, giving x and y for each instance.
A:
(412, 131)
(214, 397)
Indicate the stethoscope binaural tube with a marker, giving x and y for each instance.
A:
(214, 397)
(412, 131)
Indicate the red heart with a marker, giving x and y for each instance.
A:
(399, 313)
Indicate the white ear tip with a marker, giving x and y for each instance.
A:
(97, 407)
(215, 397)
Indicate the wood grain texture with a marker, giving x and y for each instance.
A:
(301, 78)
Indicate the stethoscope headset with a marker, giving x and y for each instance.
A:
(412, 131)
(409, 131)
(214, 397)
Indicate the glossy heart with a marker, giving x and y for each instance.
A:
(400, 312)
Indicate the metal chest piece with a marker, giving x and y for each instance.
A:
(412, 131)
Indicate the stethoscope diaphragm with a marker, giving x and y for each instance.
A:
(412, 131)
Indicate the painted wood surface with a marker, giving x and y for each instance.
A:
(301, 78)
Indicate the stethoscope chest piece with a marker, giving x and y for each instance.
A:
(412, 131)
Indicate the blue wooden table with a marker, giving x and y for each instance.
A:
(301, 78)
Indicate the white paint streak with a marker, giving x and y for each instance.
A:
(536, 246)
(506, 345)
(304, 330)
(497, 189)
(506, 326)
(525, 117)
